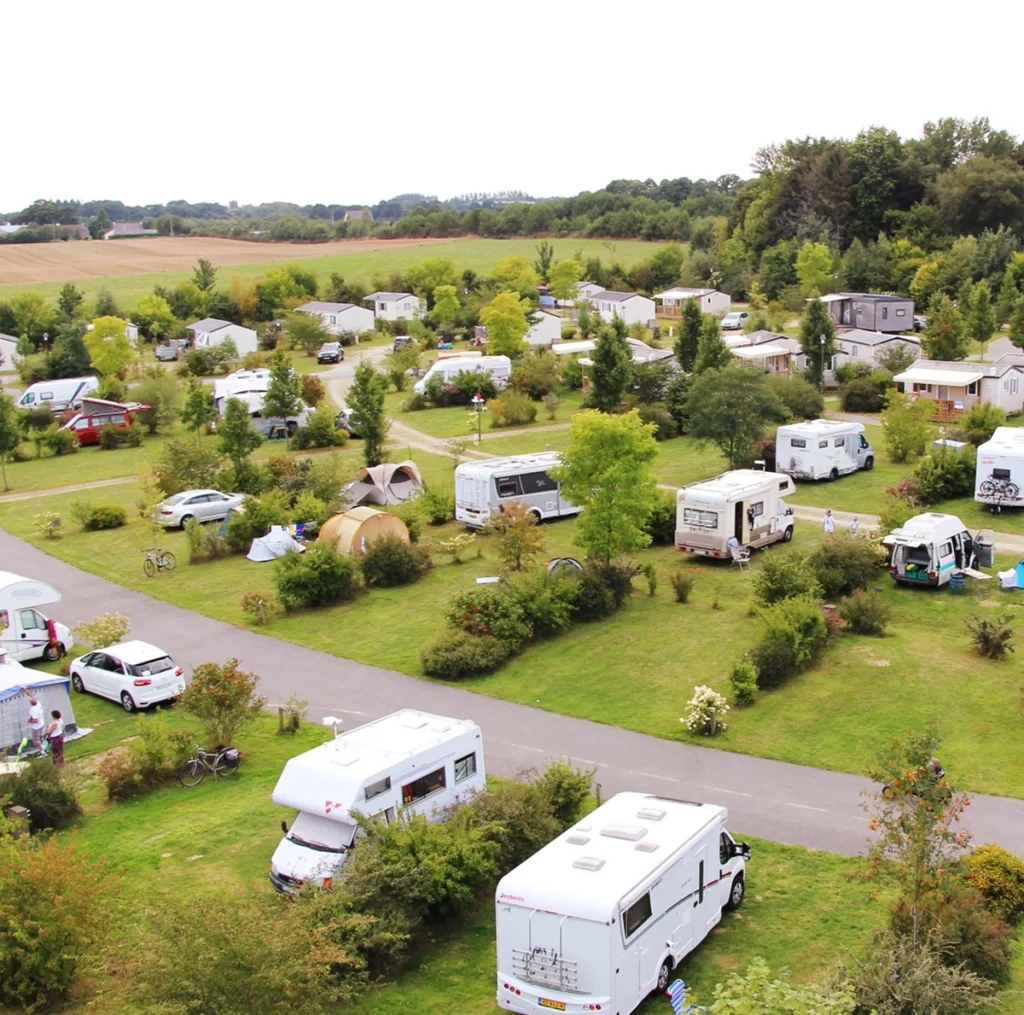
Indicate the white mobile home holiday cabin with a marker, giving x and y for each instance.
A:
(630, 307)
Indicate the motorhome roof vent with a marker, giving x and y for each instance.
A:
(414, 724)
(646, 847)
(651, 813)
(631, 832)
(588, 863)
(581, 827)
(578, 840)
(440, 727)
(345, 759)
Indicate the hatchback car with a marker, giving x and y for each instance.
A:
(202, 505)
(134, 673)
(330, 352)
(735, 320)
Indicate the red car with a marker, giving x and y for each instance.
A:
(87, 426)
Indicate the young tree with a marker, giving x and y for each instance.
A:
(204, 275)
(69, 300)
(731, 408)
(307, 332)
(606, 469)
(224, 700)
(446, 308)
(366, 400)
(199, 410)
(515, 272)
(160, 390)
(238, 439)
(562, 279)
(1009, 290)
(154, 316)
(815, 267)
(520, 539)
(612, 371)
(905, 426)
(10, 433)
(106, 629)
(945, 338)
(896, 358)
(398, 364)
(712, 352)
(283, 390)
(817, 323)
(545, 257)
(106, 305)
(585, 318)
(109, 347)
(506, 320)
(981, 323)
(688, 339)
(1017, 323)
(31, 315)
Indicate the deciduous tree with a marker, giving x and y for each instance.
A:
(945, 338)
(307, 332)
(981, 323)
(69, 301)
(154, 316)
(10, 433)
(446, 307)
(109, 347)
(516, 273)
(815, 267)
(688, 339)
(283, 390)
(562, 279)
(506, 320)
(905, 426)
(199, 410)
(545, 257)
(366, 401)
(204, 275)
(611, 372)
(32, 315)
(224, 700)
(817, 323)
(520, 539)
(238, 439)
(1017, 323)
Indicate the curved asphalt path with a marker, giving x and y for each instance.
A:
(772, 799)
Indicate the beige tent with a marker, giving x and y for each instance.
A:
(386, 483)
(350, 531)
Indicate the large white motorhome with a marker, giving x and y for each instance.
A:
(498, 368)
(483, 488)
(822, 449)
(25, 632)
(929, 548)
(66, 393)
(745, 503)
(999, 473)
(599, 918)
(409, 760)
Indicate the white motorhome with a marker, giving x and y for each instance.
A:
(483, 488)
(745, 503)
(66, 393)
(409, 760)
(241, 382)
(999, 473)
(25, 631)
(498, 368)
(930, 548)
(599, 918)
(822, 449)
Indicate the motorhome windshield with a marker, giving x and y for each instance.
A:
(321, 834)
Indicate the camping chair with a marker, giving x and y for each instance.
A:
(740, 557)
(300, 531)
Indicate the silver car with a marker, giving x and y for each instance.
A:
(735, 320)
(202, 505)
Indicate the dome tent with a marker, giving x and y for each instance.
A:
(386, 483)
(351, 531)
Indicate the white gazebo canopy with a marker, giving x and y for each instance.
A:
(947, 378)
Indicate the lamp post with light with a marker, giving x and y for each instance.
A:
(821, 366)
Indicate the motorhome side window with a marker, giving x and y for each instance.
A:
(757, 509)
(508, 486)
(797, 442)
(376, 788)
(946, 549)
(465, 767)
(783, 486)
(423, 787)
(823, 444)
(537, 482)
(1000, 473)
(724, 848)
(637, 914)
(838, 442)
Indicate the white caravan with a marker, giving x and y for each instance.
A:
(66, 393)
(25, 632)
(408, 760)
(483, 488)
(999, 473)
(241, 382)
(745, 503)
(822, 449)
(930, 548)
(599, 918)
(498, 368)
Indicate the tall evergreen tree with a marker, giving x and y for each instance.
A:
(712, 352)
(282, 397)
(612, 371)
(366, 400)
(817, 323)
(981, 323)
(945, 338)
(690, 321)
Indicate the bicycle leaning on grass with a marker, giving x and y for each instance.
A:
(221, 761)
(158, 560)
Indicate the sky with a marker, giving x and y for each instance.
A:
(343, 103)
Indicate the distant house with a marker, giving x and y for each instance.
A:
(630, 307)
(545, 329)
(358, 215)
(120, 230)
(957, 387)
(131, 331)
(870, 311)
(860, 346)
(584, 291)
(6, 228)
(393, 306)
(771, 357)
(9, 357)
(210, 332)
(711, 300)
(340, 317)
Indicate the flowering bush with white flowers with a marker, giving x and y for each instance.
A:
(705, 712)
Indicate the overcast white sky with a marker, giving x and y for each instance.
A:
(344, 102)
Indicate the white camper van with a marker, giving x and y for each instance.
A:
(498, 368)
(745, 503)
(407, 760)
(66, 393)
(25, 631)
(241, 382)
(599, 918)
(822, 449)
(999, 473)
(929, 548)
(482, 488)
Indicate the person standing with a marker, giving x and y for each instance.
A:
(855, 526)
(55, 732)
(828, 523)
(35, 723)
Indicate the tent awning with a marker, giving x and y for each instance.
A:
(765, 351)
(947, 378)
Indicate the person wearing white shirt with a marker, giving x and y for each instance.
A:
(829, 523)
(35, 723)
(855, 526)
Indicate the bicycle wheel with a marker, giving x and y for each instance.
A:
(987, 489)
(149, 566)
(191, 773)
(1012, 491)
(168, 561)
(221, 770)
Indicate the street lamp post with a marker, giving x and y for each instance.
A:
(821, 366)
(478, 406)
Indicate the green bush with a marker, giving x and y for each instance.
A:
(204, 542)
(456, 654)
(546, 600)
(568, 791)
(682, 586)
(979, 423)
(412, 517)
(536, 374)
(661, 526)
(844, 563)
(390, 561)
(781, 577)
(255, 519)
(801, 398)
(106, 516)
(152, 758)
(318, 577)
(110, 438)
(992, 638)
(438, 505)
(667, 427)
(57, 441)
(319, 431)
(865, 612)
(795, 634)
(861, 395)
(744, 682)
(46, 791)
(602, 588)
(999, 876)
(774, 659)
(491, 611)
(512, 408)
(944, 474)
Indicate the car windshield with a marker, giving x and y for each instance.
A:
(321, 834)
(159, 665)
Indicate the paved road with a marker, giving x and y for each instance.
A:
(787, 803)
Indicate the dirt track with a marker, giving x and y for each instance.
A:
(25, 263)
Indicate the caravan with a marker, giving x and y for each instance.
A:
(822, 449)
(999, 473)
(484, 488)
(498, 368)
(599, 918)
(929, 549)
(25, 632)
(409, 760)
(746, 504)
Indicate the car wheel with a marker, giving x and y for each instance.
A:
(185, 519)
(76, 683)
(869, 464)
(127, 702)
(53, 652)
(736, 893)
(663, 974)
(788, 534)
(537, 519)
(833, 475)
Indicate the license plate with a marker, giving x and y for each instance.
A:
(546, 1003)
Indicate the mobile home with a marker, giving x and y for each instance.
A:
(822, 449)
(745, 503)
(929, 548)
(483, 488)
(999, 473)
(498, 368)
(66, 393)
(599, 918)
(409, 760)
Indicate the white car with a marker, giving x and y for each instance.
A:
(134, 673)
(202, 505)
(735, 320)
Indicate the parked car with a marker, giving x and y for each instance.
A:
(401, 342)
(168, 351)
(343, 421)
(735, 320)
(202, 505)
(88, 426)
(330, 352)
(134, 673)
(920, 322)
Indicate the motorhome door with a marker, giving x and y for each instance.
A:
(741, 521)
(702, 907)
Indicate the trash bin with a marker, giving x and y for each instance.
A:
(986, 553)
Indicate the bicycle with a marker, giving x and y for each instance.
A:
(158, 560)
(222, 761)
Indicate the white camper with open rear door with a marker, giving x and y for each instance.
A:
(409, 760)
(999, 473)
(599, 918)
(822, 449)
(25, 631)
(929, 548)
(745, 503)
